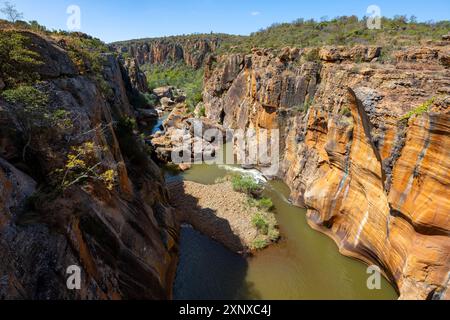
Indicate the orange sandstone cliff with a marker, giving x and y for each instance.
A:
(121, 234)
(365, 147)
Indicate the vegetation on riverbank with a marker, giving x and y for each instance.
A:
(264, 220)
(181, 76)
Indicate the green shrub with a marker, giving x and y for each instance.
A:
(26, 95)
(144, 100)
(423, 108)
(261, 224)
(264, 204)
(17, 62)
(180, 76)
(245, 184)
(274, 234)
(88, 55)
(304, 108)
(259, 244)
(82, 164)
(346, 112)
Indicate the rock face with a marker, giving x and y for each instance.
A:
(184, 135)
(122, 235)
(192, 51)
(373, 179)
(137, 77)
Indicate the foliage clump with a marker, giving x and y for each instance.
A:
(18, 63)
(32, 108)
(179, 75)
(346, 111)
(246, 184)
(259, 221)
(89, 56)
(264, 221)
(423, 108)
(264, 203)
(84, 163)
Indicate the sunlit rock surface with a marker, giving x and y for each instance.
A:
(372, 179)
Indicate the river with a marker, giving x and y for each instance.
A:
(305, 264)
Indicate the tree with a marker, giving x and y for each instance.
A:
(413, 19)
(11, 13)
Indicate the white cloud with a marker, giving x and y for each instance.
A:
(255, 13)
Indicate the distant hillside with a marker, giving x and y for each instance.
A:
(347, 30)
(344, 31)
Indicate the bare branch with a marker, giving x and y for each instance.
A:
(11, 13)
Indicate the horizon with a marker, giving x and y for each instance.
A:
(100, 19)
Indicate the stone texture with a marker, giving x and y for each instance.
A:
(192, 51)
(354, 54)
(374, 183)
(137, 77)
(123, 239)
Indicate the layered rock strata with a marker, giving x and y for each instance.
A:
(191, 51)
(116, 224)
(365, 147)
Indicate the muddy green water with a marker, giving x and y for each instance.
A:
(305, 264)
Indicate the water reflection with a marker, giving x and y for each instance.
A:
(304, 265)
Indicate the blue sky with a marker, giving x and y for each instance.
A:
(113, 20)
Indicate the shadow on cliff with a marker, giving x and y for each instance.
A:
(210, 267)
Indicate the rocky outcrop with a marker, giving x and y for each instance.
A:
(137, 77)
(361, 149)
(81, 192)
(183, 134)
(355, 54)
(192, 51)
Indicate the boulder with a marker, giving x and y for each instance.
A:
(56, 62)
(355, 54)
(147, 114)
(167, 103)
(184, 166)
(164, 92)
(137, 77)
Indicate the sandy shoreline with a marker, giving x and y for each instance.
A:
(218, 212)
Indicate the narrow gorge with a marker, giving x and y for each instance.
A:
(373, 179)
(364, 144)
(87, 178)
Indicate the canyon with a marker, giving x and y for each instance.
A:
(122, 236)
(372, 179)
(192, 52)
(364, 148)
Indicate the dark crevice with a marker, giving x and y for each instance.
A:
(421, 229)
(367, 130)
(396, 152)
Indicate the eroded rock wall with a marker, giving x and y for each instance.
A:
(122, 236)
(192, 51)
(371, 178)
